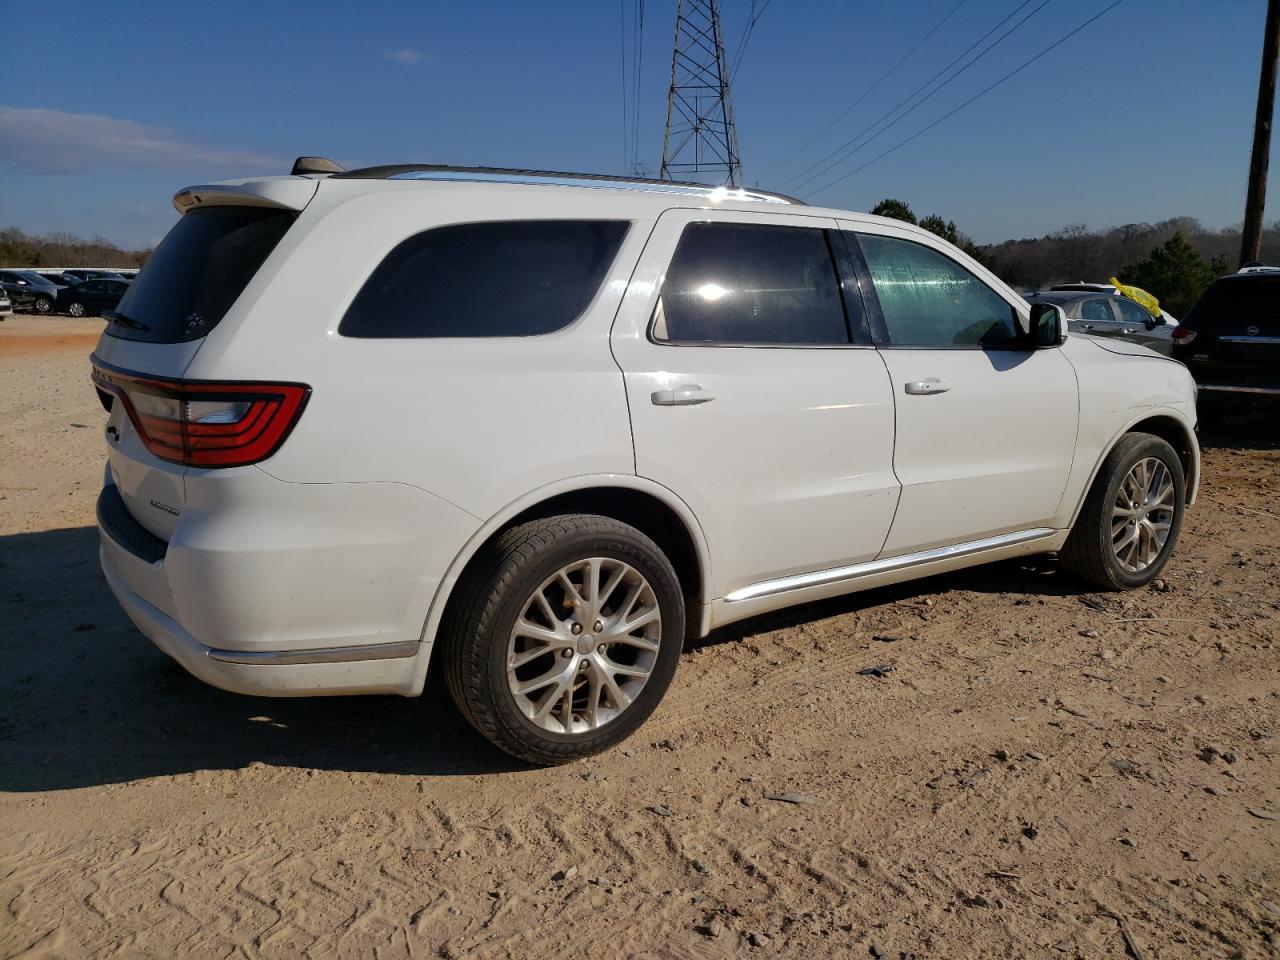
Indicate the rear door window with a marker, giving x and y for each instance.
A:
(514, 278)
(740, 283)
(1096, 311)
(198, 271)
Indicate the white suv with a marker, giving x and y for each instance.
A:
(544, 427)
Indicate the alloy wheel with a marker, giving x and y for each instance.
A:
(1142, 514)
(584, 645)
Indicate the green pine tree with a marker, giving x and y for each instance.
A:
(896, 209)
(1174, 273)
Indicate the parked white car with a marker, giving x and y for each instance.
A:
(537, 429)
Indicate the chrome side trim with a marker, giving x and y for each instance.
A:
(372, 651)
(1226, 388)
(855, 571)
(1244, 339)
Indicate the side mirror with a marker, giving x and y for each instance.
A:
(1048, 325)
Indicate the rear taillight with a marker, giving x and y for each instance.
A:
(1182, 335)
(203, 423)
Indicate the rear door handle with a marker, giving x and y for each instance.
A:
(927, 387)
(684, 395)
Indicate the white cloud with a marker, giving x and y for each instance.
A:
(52, 141)
(406, 55)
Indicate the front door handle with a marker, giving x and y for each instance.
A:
(684, 395)
(927, 387)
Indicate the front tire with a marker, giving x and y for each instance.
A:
(76, 309)
(42, 305)
(1131, 518)
(564, 637)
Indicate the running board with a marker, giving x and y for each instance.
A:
(856, 571)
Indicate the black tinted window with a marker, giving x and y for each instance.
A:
(1234, 304)
(198, 271)
(929, 300)
(510, 279)
(1131, 312)
(1096, 310)
(747, 283)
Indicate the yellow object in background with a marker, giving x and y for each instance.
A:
(1138, 296)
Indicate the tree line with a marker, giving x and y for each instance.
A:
(21, 249)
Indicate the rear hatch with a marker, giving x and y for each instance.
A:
(1240, 318)
(190, 283)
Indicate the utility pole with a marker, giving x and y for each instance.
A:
(1251, 238)
(700, 136)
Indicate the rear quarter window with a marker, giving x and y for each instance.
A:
(502, 279)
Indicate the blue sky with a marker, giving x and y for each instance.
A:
(1146, 114)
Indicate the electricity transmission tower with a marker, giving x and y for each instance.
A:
(700, 136)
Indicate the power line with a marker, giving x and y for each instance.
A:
(746, 36)
(871, 89)
(852, 146)
(977, 96)
(638, 59)
(801, 178)
(622, 50)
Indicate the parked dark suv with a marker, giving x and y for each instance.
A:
(1230, 341)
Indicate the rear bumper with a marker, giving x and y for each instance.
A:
(282, 675)
(283, 589)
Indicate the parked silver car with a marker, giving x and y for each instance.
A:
(28, 290)
(1102, 314)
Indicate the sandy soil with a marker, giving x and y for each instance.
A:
(1044, 773)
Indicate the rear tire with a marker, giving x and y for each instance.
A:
(548, 673)
(1115, 543)
(42, 305)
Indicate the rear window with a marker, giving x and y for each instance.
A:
(506, 279)
(1234, 304)
(198, 271)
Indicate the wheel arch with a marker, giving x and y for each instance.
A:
(650, 507)
(1169, 427)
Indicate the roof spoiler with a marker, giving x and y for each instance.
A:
(305, 165)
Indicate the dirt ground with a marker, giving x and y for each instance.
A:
(1045, 772)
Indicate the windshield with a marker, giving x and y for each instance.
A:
(198, 272)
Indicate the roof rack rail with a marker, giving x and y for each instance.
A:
(441, 171)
